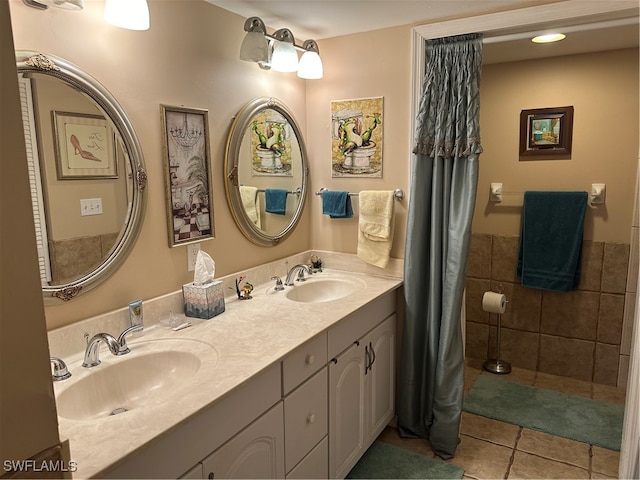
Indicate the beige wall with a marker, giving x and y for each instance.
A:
(603, 88)
(27, 403)
(189, 57)
(372, 64)
(202, 70)
(64, 195)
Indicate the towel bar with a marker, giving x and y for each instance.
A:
(297, 191)
(596, 196)
(398, 193)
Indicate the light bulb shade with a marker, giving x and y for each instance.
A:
(284, 58)
(310, 66)
(130, 14)
(66, 4)
(254, 48)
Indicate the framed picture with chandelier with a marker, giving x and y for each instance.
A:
(187, 169)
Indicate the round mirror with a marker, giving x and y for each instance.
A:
(265, 171)
(86, 173)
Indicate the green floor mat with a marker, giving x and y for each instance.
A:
(383, 460)
(568, 416)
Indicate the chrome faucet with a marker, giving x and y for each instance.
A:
(93, 349)
(300, 268)
(60, 370)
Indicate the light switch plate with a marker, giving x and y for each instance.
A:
(90, 206)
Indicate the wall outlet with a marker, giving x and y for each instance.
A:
(192, 255)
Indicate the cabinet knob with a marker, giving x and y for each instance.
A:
(311, 418)
(211, 476)
(310, 359)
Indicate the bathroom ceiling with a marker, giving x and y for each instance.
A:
(320, 19)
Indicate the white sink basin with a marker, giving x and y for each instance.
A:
(323, 290)
(153, 371)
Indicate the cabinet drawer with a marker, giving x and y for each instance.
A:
(359, 323)
(314, 465)
(196, 473)
(304, 362)
(305, 418)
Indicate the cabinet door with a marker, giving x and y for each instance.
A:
(346, 410)
(255, 452)
(380, 378)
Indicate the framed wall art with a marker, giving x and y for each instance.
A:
(84, 146)
(187, 172)
(356, 137)
(546, 131)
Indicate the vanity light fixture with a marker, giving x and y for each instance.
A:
(278, 50)
(548, 38)
(66, 4)
(284, 58)
(129, 14)
(255, 47)
(310, 66)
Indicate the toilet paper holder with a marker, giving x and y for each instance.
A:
(497, 365)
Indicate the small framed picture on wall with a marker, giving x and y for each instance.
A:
(546, 131)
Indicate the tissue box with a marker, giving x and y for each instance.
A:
(203, 301)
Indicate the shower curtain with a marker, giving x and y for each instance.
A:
(443, 189)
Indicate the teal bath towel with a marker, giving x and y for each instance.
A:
(336, 204)
(275, 201)
(551, 240)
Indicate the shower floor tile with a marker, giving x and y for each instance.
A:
(492, 449)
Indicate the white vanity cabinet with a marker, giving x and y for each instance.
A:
(290, 439)
(304, 386)
(361, 384)
(256, 452)
(311, 415)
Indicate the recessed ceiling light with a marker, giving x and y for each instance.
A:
(548, 38)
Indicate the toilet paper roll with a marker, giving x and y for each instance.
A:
(494, 302)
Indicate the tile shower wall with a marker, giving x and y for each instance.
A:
(575, 334)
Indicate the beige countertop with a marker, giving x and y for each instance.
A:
(247, 338)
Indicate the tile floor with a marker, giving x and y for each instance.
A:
(490, 449)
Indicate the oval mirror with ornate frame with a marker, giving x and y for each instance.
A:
(266, 171)
(87, 175)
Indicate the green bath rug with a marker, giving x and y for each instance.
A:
(568, 416)
(383, 460)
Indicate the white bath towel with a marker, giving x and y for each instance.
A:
(251, 203)
(375, 226)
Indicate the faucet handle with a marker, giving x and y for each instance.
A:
(279, 285)
(301, 272)
(60, 370)
(123, 348)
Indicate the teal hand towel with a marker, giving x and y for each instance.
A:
(276, 201)
(336, 204)
(551, 240)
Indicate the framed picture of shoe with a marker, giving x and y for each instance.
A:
(84, 146)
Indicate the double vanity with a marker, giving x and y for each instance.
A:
(294, 383)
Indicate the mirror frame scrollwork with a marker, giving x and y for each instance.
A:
(241, 123)
(37, 62)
